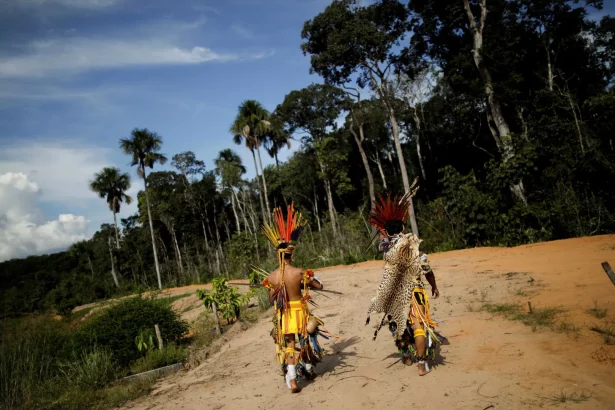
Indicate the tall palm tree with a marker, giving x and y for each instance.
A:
(112, 185)
(229, 168)
(251, 125)
(143, 145)
(276, 139)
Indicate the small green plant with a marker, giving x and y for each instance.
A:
(145, 340)
(598, 312)
(520, 292)
(224, 298)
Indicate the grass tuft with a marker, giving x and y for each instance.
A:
(598, 312)
(540, 317)
(566, 398)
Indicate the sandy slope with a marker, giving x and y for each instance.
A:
(490, 361)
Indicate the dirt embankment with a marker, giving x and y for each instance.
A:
(491, 361)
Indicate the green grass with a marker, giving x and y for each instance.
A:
(540, 317)
(156, 358)
(598, 312)
(100, 399)
(168, 300)
(74, 317)
(562, 398)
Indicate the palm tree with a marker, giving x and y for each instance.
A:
(276, 139)
(229, 168)
(251, 125)
(143, 145)
(112, 185)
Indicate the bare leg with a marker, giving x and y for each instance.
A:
(421, 343)
(291, 361)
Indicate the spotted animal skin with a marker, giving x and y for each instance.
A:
(402, 272)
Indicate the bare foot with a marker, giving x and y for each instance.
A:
(422, 370)
(407, 360)
(294, 386)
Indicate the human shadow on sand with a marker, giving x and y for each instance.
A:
(335, 358)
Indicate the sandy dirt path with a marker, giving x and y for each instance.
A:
(491, 361)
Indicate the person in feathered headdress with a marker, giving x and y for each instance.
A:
(292, 316)
(401, 295)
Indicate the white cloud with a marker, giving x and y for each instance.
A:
(62, 171)
(68, 4)
(84, 4)
(82, 54)
(23, 228)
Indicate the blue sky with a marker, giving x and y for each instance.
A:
(76, 75)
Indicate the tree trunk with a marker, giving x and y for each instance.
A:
(214, 309)
(266, 195)
(402, 168)
(113, 273)
(417, 123)
(205, 235)
(316, 212)
(151, 229)
(260, 188)
(91, 266)
(117, 236)
(178, 251)
(235, 212)
(573, 108)
(242, 210)
(370, 178)
(376, 160)
(503, 139)
(329, 193)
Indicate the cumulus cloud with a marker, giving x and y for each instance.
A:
(24, 230)
(61, 171)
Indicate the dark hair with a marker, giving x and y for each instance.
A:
(287, 256)
(394, 227)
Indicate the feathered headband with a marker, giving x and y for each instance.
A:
(391, 214)
(285, 232)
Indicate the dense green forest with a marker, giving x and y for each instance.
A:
(503, 109)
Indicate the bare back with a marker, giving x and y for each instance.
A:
(292, 281)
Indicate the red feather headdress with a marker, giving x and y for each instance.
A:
(391, 211)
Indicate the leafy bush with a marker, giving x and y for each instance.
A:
(119, 325)
(156, 358)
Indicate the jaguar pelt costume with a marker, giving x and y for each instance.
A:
(401, 295)
(402, 273)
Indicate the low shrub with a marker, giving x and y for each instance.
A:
(156, 358)
(117, 327)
